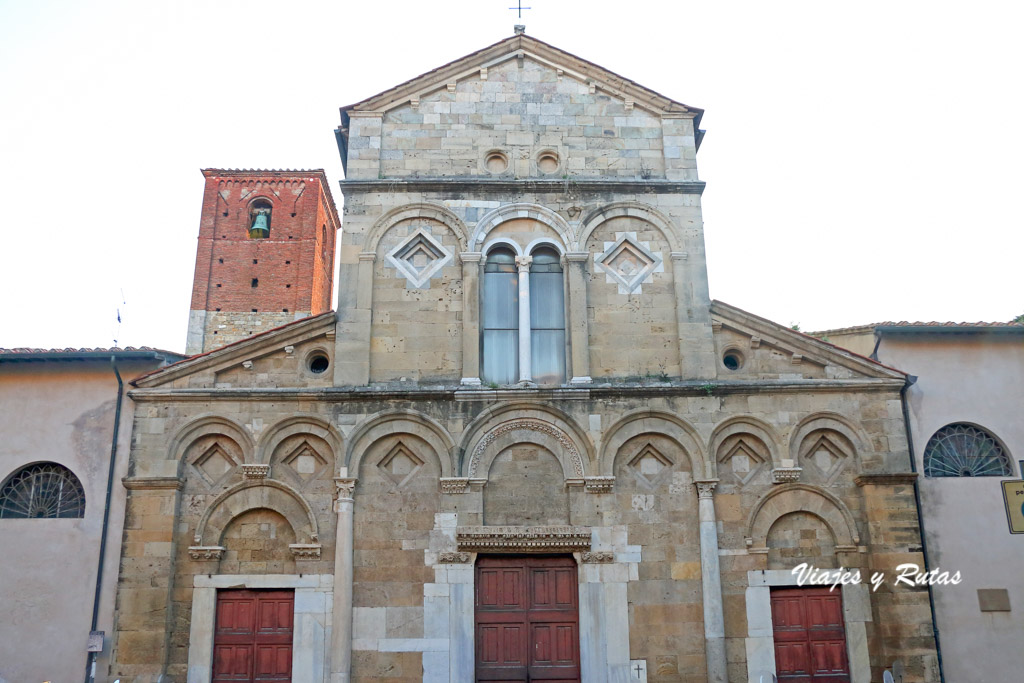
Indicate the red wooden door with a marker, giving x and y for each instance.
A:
(527, 619)
(253, 637)
(810, 641)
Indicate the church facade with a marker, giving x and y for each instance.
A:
(526, 445)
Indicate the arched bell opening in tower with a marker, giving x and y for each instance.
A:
(259, 220)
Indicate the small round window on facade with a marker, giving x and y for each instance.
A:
(732, 360)
(496, 162)
(318, 363)
(547, 162)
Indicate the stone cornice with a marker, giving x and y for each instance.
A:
(581, 186)
(462, 393)
(528, 539)
(886, 479)
(151, 483)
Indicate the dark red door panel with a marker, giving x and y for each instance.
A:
(253, 636)
(527, 620)
(810, 639)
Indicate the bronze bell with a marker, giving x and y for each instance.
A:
(260, 228)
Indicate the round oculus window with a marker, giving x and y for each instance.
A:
(318, 363)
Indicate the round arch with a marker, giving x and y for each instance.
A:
(297, 424)
(630, 209)
(418, 210)
(208, 425)
(799, 497)
(509, 212)
(656, 422)
(256, 494)
(395, 422)
(743, 424)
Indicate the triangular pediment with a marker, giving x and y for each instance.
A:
(477, 64)
(279, 358)
(751, 347)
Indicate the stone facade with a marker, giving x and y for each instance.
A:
(684, 484)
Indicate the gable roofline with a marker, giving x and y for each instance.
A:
(283, 174)
(848, 358)
(128, 353)
(519, 44)
(203, 360)
(933, 327)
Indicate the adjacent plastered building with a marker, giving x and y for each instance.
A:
(526, 445)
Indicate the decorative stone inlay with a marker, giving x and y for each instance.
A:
(599, 484)
(706, 488)
(528, 539)
(419, 257)
(255, 471)
(598, 557)
(305, 551)
(532, 425)
(400, 465)
(785, 475)
(214, 464)
(453, 558)
(628, 262)
(345, 486)
(649, 464)
(305, 461)
(202, 553)
(454, 485)
(744, 461)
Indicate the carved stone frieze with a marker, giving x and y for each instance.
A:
(453, 558)
(454, 485)
(528, 539)
(533, 425)
(205, 553)
(598, 557)
(785, 475)
(255, 471)
(599, 484)
(305, 551)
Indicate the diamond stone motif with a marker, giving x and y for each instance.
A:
(400, 465)
(628, 262)
(419, 257)
(305, 461)
(214, 464)
(649, 464)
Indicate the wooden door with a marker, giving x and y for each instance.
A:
(252, 641)
(810, 641)
(527, 620)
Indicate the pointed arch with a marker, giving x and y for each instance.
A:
(782, 500)
(509, 212)
(656, 422)
(418, 210)
(389, 423)
(253, 494)
(630, 209)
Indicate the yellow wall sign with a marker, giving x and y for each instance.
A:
(1013, 496)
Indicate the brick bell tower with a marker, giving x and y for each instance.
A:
(265, 255)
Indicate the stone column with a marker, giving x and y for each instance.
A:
(341, 621)
(525, 373)
(711, 581)
(579, 340)
(470, 317)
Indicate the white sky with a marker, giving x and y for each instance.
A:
(864, 160)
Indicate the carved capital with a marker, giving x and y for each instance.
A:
(470, 256)
(454, 485)
(368, 256)
(345, 487)
(706, 487)
(206, 553)
(453, 558)
(253, 471)
(577, 256)
(599, 484)
(305, 551)
(524, 539)
(524, 263)
(598, 557)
